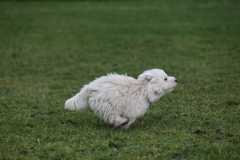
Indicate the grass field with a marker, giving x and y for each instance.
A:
(49, 50)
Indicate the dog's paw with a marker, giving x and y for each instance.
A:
(125, 126)
(126, 122)
(122, 122)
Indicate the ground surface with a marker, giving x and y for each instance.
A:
(49, 50)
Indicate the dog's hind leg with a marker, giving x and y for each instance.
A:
(117, 120)
(109, 114)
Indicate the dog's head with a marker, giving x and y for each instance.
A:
(158, 83)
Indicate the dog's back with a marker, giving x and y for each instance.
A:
(105, 88)
(111, 82)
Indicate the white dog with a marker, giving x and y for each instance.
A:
(119, 99)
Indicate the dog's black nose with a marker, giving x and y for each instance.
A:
(176, 80)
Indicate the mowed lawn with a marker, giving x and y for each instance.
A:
(49, 50)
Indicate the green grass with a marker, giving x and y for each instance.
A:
(49, 50)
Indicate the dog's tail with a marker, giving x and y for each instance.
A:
(79, 101)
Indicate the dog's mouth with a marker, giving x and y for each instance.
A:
(170, 89)
(173, 87)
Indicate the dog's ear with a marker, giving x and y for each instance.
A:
(148, 77)
(145, 76)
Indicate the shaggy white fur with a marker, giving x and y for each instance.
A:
(119, 99)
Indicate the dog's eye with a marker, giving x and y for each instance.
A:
(165, 79)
